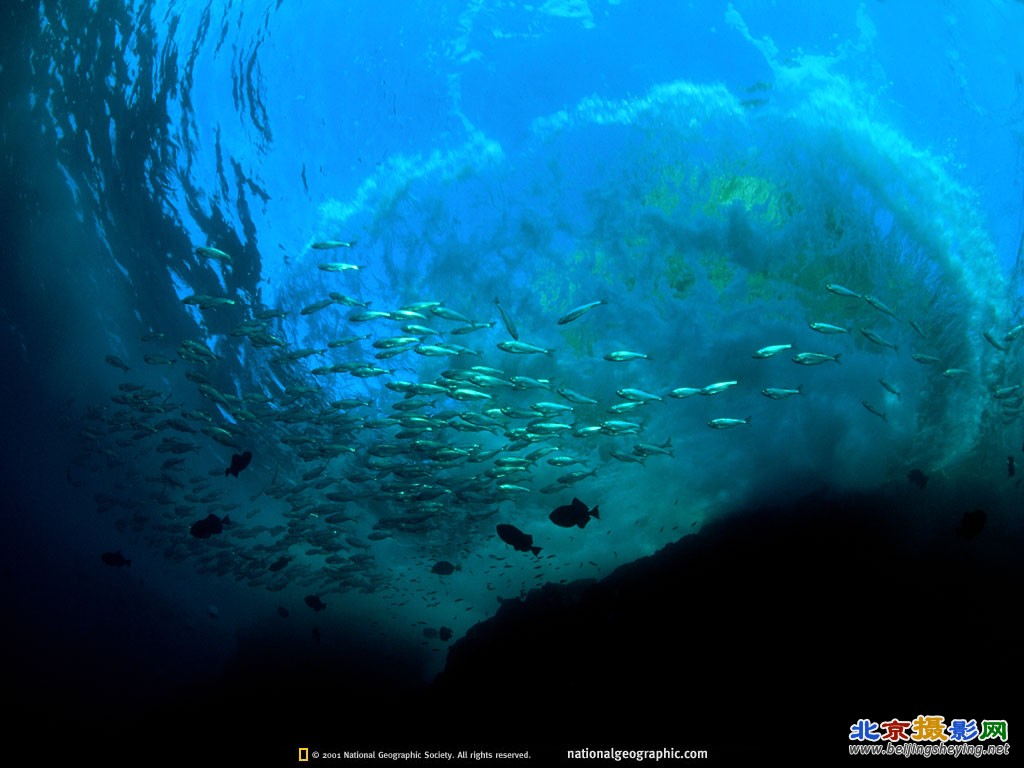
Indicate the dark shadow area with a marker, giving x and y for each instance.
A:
(779, 625)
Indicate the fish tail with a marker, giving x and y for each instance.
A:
(595, 513)
(836, 358)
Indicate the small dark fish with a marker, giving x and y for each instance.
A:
(280, 563)
(314, 602)
(282, 612)
(972, 524)
(521, 542)
(238, 462)
(117, 362)
(115, 559)
(1009, 466)
(444, 634)
(444, 568)
(576, 514)
(918, 478)
(208, 526)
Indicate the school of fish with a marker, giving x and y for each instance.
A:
(424, 459)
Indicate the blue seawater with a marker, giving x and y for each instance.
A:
(699, 172)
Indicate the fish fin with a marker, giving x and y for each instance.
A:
(535, 550)
(225, 520)
(228, 472)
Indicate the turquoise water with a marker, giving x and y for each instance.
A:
(704, 172)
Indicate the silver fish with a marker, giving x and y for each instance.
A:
(680, 392)
(771, 351)
(890, 388)
(815, 358)
(827, 328)
(991, 340)
(575, 397)
(625, 407)
(213, 253)
(653, 449)
(477, 326)
(509, 325)
(1014, 333)
(716, 388)
(449, 314)
(316, 306)
(325, 245)
(728, 423)
(619, 427)
(573, 314)
(879, 306)
(621, 356)
(522, 348)
(840, 290)
(776, 393)
(636, 394)
(874, 338)
(875, 411)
